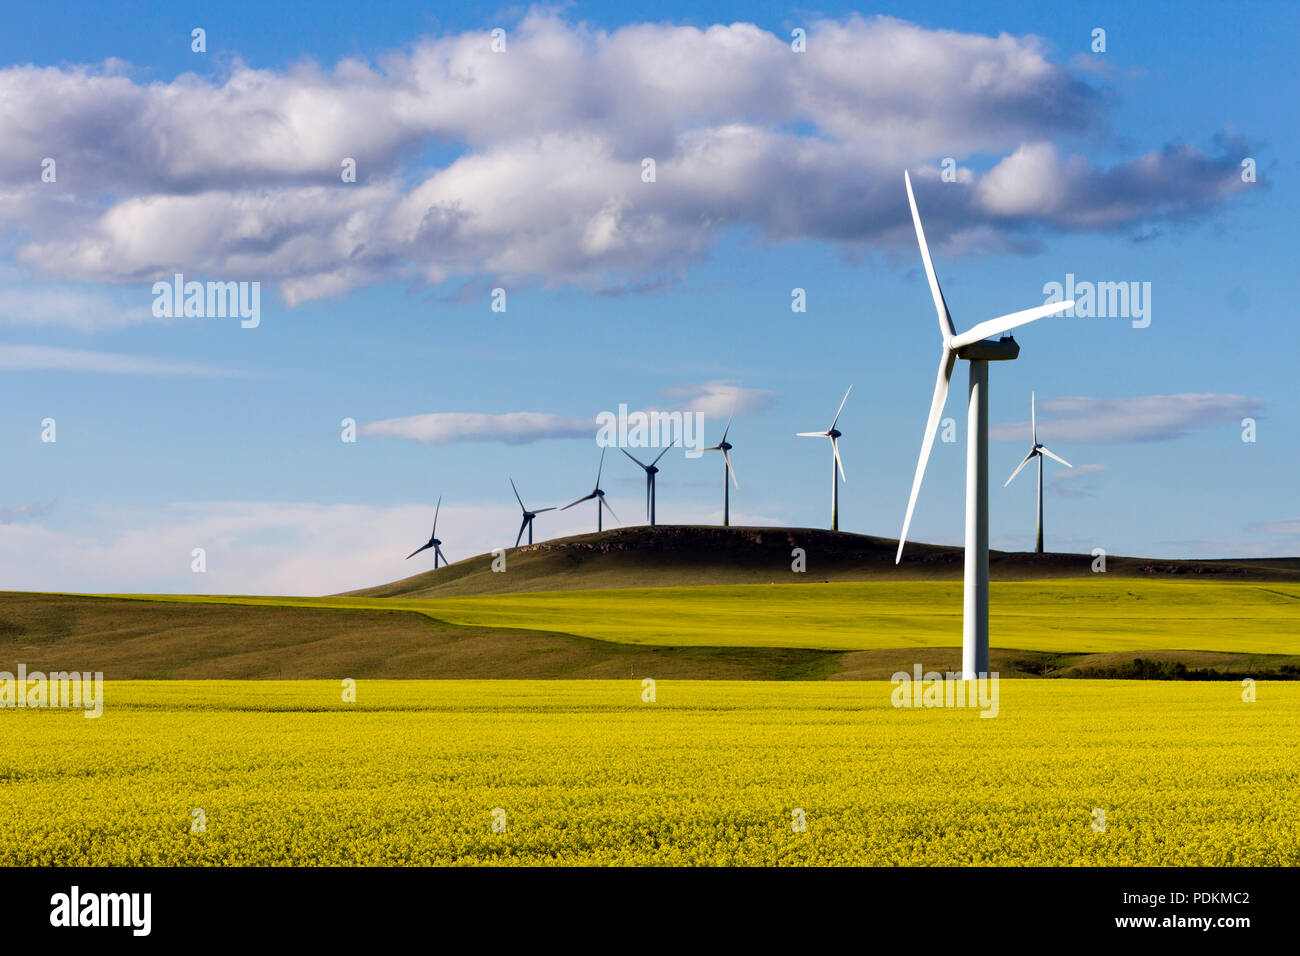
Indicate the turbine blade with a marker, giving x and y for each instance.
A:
(1050, 454)
(728, 428)
(438, 551)
(664, 452)
(811, 435)
(542, 510)
(940, 306)
(435, 517)
(1005, 323)
(946, 362)
(520, 535)
(609, 507)
(840, 409)
(417, 551)
(630, 455)
(727, 458)
(835, 452)
(601, 468)
(517, 498)
(1033, 417)
(579, 501)
(1028, 459)
(714, 448)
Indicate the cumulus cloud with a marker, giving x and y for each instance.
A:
(1141, 418)
(238, 176)
(515, 428)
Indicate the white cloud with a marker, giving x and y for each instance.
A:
(53, 359)
(445, 428)
(276, 547)
(1140, 418)
(81, 309)
(238, 177)
(718, 398)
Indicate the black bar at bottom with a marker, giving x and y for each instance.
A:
(335, 905)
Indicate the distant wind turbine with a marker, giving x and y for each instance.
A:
(528, 516)
(597, 494)
(650, 471)
(834, 435)
(433, 541)
(975, 346)
(1037, 451)
(724, 447)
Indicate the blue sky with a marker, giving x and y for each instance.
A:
(773, 174)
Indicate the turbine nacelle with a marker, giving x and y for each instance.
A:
(1005, 349)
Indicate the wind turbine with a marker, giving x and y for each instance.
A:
(724, 447)
(650, 471)
(597, 494)
(834, 435)
(433, 541)
(528, 516)
(976, 347)
(1037, 451)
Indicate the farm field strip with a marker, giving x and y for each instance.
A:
(712, 772)
(1057, 616)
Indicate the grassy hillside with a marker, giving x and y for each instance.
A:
(142, 639)
(193, 637)
(689, 556)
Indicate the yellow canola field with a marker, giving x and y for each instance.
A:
(713, 773)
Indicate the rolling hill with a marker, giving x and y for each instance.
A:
(687, 602)
(690, 556)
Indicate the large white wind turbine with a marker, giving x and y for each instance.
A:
(976, 347)
(597, 494)
(1037, 451)
(651, 472)
(834, 435)
(724, 447)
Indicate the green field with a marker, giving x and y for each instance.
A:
(1064, 616)
(710, 773)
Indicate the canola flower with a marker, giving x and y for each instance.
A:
(710, 773)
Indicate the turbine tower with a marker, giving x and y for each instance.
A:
(834, 435)
(976, 347)
(528, 516)
(597, 494)
(650, 471)
(724, 447)
(1037, 451)
(433, 541)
